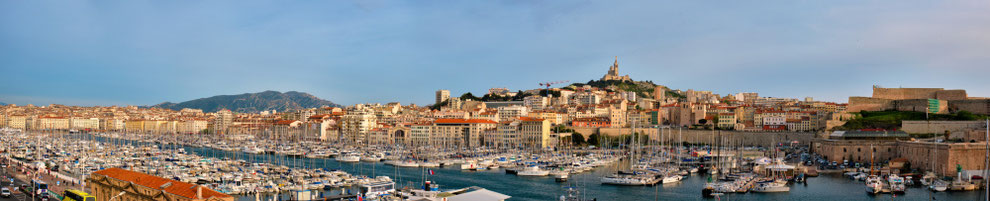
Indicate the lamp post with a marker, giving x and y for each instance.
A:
(118, 195)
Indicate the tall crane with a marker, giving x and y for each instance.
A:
(548, 84)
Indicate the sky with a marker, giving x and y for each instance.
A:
(147, 52)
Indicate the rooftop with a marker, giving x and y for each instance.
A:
(174, 187)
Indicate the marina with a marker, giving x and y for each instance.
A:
(347, 177)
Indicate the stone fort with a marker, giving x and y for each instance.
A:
(917, 99)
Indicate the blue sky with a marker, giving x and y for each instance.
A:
(147, 52)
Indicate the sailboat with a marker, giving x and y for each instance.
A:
(632, 178)
(874, 185)
(777, 182)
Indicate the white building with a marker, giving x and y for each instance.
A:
(509, 113)
(774, 120)
(586, 98)
(85, 123)
(536, 102)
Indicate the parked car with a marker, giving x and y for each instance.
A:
(5, 192)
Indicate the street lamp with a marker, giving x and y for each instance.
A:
(118, 195)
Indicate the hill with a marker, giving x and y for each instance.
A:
(642, 88)
(891, 120)
(252, 102)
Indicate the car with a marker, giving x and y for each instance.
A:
(5, 192)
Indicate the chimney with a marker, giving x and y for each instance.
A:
(199, 192)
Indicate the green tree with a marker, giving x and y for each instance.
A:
(469, 96)
(966, 116)
(577, 138)
(519, 96)
(438, 106)
(595, 139)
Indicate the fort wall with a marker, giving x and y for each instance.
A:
(920, 127)
(906, 93)
(976, 106)
(857, 104)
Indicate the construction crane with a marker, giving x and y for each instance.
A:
(548, 84)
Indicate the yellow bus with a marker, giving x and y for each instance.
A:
(77, 195)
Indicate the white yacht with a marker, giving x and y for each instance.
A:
(429, 164)
(771, 187)
(533, 171)
(350, 158)
(874, 185)
(469, 165)
(629, 179)
(938, 185)
(673, 178)
(896, 184)
(376, 157)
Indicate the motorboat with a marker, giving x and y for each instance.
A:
(469, 165)
(896, 184)
(627, 179)
(406, 163)
(774, 186)
(938, 185)
(672, 178)
(429, 164)
(560, 177)
(373, 157)
(533, 171)
(874, 185)
(350, 158)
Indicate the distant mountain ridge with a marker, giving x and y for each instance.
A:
(252, 102)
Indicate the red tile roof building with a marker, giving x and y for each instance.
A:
(107, 183)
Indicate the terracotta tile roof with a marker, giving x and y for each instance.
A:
(464, 121)
(177, 187)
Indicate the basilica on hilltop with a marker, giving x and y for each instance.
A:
(613, 73)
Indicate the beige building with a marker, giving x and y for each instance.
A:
(112, 124)
(125, 185)
(52, 123)
(442, 95)
(17, 122)
(553, 117)
(224, 118)
(356, 124)
(535, 132)
(192, 125)
(460, 132)
(420, 134)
